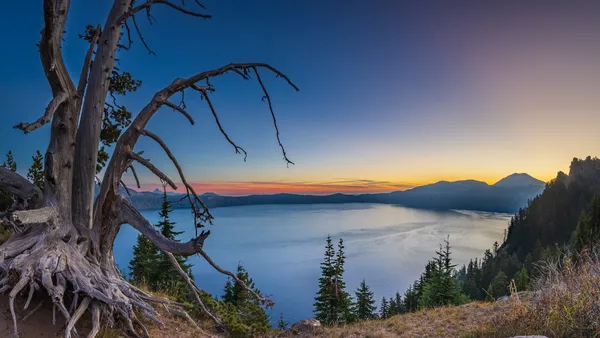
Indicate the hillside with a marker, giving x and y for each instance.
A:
(508, 195)
(551, 217)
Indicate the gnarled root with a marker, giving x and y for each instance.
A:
(60, 268)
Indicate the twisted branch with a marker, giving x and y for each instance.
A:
(188, 186)
(59, 99)
(214, 113)
(129, 215)
(179, 109)
(153, 169)
(146, 6)
(268, 97)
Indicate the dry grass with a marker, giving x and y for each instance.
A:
(453, 321)
(566, 303)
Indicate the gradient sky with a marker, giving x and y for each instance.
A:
(393, 94)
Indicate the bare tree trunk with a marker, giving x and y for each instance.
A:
(66, 242)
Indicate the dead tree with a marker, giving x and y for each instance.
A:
(66, 242)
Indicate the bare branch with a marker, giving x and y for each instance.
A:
(87, 63)
(212, 109)
(229, 273)
(272, 115)
(146, 6)
(129, 215)
(179, 109)
(47, 117)
(193, 288)
(188, 186)
(125, 187)
(137, 180)
(137, 29)
(35, 216)
(153, 169)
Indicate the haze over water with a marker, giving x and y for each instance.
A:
(282, 246)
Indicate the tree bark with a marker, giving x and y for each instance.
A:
(65, 242)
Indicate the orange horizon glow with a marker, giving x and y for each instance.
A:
(309, 188)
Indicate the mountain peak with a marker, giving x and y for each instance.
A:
(518, 179)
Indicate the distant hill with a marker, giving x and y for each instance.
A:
(508, 195)
(518, 180)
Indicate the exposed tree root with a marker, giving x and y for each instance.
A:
(60, 268)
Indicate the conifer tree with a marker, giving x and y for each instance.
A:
(10, 162)
(522, 280)
(499, 285)
(365, 304)
(7, 200)
(324, 306)
(399, 304)
(248, 308)
(384, 309)
(166, 277)
(332, 303)
(36, 171)
(143, 265)
(344, 300)
(489, 295)
(587, 233)
(281, 323)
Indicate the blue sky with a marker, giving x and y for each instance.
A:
(393, 94)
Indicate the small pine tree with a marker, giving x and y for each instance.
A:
(399, 304)
(247, 306)
(522, 280)
(143, 265)
(166, 277)
(332, 303)
(36, 171)
(499, 285)
(7, 200)
(281, 323)
(384, 309)
(10, 163)
(489, 295)
(324, 306)
(365, 304)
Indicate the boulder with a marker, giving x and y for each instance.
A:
(307, 326)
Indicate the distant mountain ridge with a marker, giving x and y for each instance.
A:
(507, 195)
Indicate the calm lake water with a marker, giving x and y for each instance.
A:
(282, 246)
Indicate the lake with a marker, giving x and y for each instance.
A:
(282, 246)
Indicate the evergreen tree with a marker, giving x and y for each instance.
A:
(365, 304)
(399, 304)
(7, 200)
(10, 162)
(411, 301)
(499, 285)
(489, 295)
(166, 277)
(587, 233)
(36, 171)
(246, 304)
(325, 305)
(151, 267)
(333, 304)
(281, 323)
(384, 309)
(344, 300)
(522, 280)
(143, 265)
